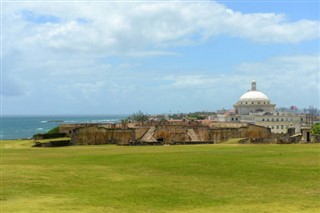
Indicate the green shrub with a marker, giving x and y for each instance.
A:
(54, 130)
(315, 130)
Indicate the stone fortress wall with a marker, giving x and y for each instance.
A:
(152, 133)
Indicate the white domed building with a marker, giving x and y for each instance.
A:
(253, 101)
(255, 107)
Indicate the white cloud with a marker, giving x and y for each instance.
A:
(150, 53)
(92, 53)
(115, 28)
(284, 71)
(190, 81)
(289, 71)
(286, 80)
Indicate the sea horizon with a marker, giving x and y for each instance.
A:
(65, 115)
(25, 126)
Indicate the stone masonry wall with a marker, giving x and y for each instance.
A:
(166, 133)
(99, 135)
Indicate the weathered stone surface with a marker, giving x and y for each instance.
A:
(93, 135)
(164, 133)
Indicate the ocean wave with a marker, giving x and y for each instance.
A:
(104, 121)
(114, 120)
(53, 121)
(70, 121)
(93, 121)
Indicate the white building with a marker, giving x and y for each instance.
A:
(255, 107)
(253, 101)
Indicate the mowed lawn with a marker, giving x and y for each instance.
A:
(194, 178)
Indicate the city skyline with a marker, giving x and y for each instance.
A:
(157, 57)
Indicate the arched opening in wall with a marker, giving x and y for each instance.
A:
(160, 139)
(237, 111)
(308, 136)
(259, 110)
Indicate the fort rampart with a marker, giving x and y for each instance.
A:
(162, 133)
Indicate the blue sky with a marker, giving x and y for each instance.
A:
(158, 57)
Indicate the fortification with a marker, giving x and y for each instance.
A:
(160, 133)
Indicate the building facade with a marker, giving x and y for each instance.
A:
(255, 107)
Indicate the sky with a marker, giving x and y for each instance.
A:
(118, 57)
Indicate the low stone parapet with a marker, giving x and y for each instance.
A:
(58, 143)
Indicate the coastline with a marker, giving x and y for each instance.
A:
(20, 127)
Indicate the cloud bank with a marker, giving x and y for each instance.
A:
(95, 53)
(117, 28)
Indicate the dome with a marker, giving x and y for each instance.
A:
(254, 95)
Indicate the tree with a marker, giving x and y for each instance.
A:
(315, 130)
(138, 116)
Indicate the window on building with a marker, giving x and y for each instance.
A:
(272, 119)
(267, 119)
(281, 126)
(258, 102)
(262, 119)
(277, 119)
(281, 119)
(232, 119)
(252, 102)
(277, 126)
(272, 127)
(301, 119)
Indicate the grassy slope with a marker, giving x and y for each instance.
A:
(202, 178)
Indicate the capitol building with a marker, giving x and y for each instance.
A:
(255, 107)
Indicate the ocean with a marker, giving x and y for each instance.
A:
(17, 127)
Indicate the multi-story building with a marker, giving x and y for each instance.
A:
(255, 107)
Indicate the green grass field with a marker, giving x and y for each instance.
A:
(198, 178)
